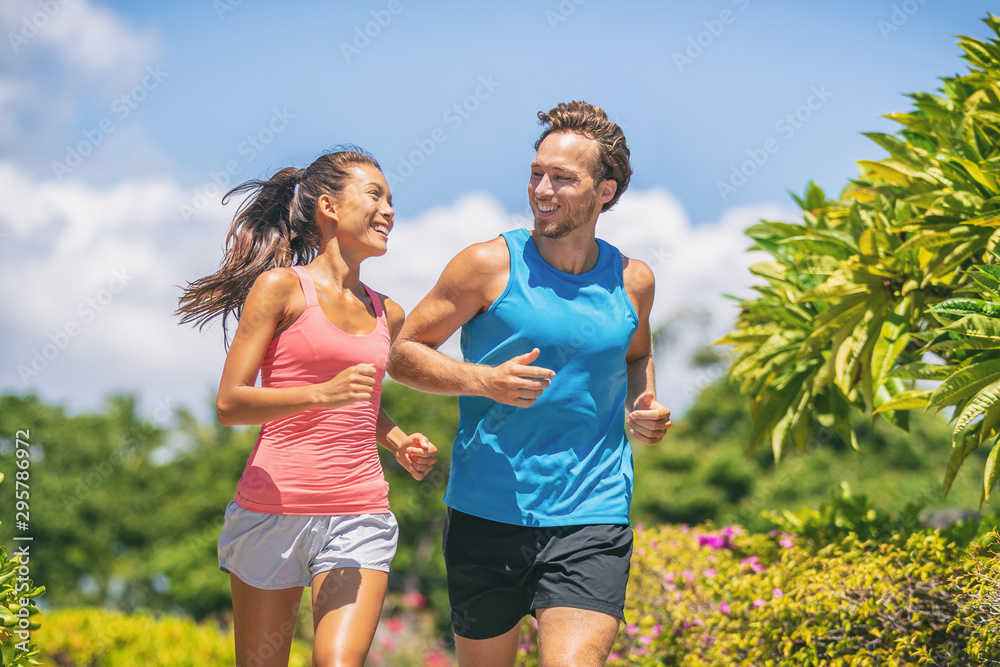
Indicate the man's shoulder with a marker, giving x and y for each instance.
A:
(637, 276)
(485, 256)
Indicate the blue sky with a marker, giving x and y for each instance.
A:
(117, 120)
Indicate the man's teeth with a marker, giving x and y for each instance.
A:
(547, 208)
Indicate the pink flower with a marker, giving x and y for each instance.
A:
(712, 541)
(646, 639)
(631, 629)
(710, 573)
(641, 650)
(689, 575)
(414, 600)
(678, 597)
(711, 558)
(615, 656)
(638, 527)
(684, 528)
(655, 544)
(640, 552)
(731, 531)
(435, 659)
(387, 643)
(657, 629)
(396, 625)
(724, 607)
(785, 542)
(759, 602)
(753, 562)
(698, 620)
(777, 593)
(669, 577)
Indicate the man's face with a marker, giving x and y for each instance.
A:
(562, 191)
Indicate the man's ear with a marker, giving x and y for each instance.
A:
(606, 190)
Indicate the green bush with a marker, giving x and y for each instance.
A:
(18, 620)
(980, 604)
(88, 636)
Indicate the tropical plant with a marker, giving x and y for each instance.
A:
(861, 297)
(18, 613)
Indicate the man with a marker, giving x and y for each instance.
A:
(555, 330)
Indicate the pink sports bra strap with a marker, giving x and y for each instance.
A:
(376, 302)
(308, 287)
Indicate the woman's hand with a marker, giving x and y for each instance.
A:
(417, 454)
(353, 384)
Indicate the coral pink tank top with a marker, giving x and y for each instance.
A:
(320, 461)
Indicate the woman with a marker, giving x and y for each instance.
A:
(312, 505)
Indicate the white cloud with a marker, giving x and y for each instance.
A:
(84, 37)
(70, 59)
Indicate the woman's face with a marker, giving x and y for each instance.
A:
(364, 212)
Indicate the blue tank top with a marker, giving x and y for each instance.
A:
(566, 459)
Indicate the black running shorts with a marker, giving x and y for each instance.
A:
(498, 572)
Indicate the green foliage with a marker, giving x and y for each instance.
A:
(854, 292)
(18, 613)
(980, 602)
(419, 564)
(88, 636)
(702, 472)
(847, 515)
(90, 476)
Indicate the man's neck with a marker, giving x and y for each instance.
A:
(577, 252)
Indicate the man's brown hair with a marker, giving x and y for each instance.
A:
(612, 160)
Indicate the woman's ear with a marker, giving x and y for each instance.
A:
(326, 207)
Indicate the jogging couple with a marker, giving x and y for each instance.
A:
(558, 364)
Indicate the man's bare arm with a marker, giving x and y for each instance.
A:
(468, 286)
(648, 419)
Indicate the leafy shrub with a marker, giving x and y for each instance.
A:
(900, 594)
(17, 621)
(980, 603)
(707, 597)
(88, 636)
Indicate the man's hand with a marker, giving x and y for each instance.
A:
(417, 455)
(516, 383)
(649, 420)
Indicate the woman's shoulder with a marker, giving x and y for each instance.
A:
(279, 281)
